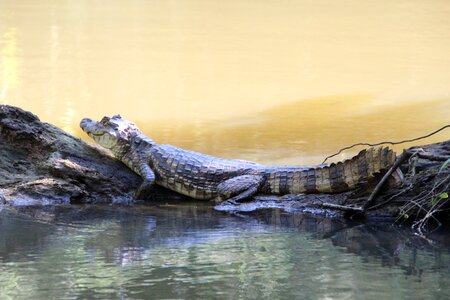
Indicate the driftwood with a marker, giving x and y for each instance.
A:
(41, 165)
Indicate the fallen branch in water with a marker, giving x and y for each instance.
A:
(341, 207)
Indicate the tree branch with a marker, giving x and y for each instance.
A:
(384, 143)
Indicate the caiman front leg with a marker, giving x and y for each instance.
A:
(148, 180)
(140, 164)
(239, 188)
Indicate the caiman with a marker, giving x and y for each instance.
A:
(202, 176)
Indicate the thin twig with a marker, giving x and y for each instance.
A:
(336, 206)
(418, 205)
(410, 205)
(390, 198)
(384, 143)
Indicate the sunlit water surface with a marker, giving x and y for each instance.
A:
(189, 251)
(276, 82)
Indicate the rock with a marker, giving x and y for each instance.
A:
(41, 164)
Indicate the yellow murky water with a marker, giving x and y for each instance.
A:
(271, 81)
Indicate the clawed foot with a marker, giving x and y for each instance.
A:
(220, 200)
(233, 202)
(144, 191)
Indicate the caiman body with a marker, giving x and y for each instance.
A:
(202, 176)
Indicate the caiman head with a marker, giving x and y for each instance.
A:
(112, 133)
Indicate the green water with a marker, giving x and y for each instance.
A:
(189, 251)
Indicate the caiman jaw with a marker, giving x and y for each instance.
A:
(100, 133)
(91, 127)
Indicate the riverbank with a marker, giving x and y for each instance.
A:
(43, 165)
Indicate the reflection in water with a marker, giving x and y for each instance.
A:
(190, 251)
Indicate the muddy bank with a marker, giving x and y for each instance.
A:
(42, 165)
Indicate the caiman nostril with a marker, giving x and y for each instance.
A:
(85, 122)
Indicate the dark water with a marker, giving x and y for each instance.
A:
(178, 251)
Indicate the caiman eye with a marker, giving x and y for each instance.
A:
(105, 121)
(117, 117)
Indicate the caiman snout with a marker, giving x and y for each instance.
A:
(85, 123)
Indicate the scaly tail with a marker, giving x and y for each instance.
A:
(348, 174)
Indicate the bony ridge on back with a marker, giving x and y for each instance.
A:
(202, 176)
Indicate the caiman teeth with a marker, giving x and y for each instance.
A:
(97, 134)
